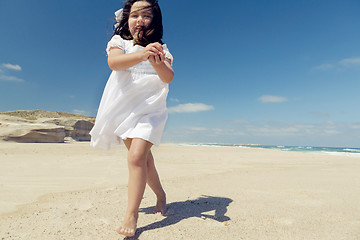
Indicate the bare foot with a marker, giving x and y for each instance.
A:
(128, 226)
(160, 207)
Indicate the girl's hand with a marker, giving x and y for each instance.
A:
(157, 59)
(152, 51)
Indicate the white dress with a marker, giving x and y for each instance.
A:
(133, 104)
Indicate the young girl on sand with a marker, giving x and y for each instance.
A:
(133, 105)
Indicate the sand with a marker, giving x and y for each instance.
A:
(73, 191)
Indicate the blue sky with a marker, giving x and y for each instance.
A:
(264, 72)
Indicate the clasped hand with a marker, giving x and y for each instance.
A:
(154, 52)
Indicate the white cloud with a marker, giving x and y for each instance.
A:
(325, 133)
(202, 134)
(273, 131)
(272, 99)
(198, 129)
(320, 114)
(344, 63)
(295, 129)
(77, 111)
(190, 107)
(15, 67)
(355, 126)
(5, 68)
(324, 67)
(10, 79)
(174, 100)
(348, 62)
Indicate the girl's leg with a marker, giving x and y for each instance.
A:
(154, 182)
(139, 150)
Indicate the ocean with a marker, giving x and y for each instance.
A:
(341, 151)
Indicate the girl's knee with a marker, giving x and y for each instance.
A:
(136, 158)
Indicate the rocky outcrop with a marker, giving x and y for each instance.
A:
(81, 130)
(77, 129)
(43, 129)
(44, 135)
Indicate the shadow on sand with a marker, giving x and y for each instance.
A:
(178, 211)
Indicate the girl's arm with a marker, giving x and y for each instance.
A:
(118, 60)
(162, 67)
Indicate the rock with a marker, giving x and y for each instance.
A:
(44, 129)
(43, 135)
(81, 130)
(74, 128)
(22, 130)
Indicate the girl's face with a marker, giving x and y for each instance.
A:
(140, 18)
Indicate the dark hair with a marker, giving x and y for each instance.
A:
(153, 33)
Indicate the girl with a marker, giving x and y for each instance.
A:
(133, 105)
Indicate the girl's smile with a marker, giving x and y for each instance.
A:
(140, 18)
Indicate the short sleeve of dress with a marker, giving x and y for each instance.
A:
(168, 54)
(115, 41)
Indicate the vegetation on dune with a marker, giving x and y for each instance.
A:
(35, 114)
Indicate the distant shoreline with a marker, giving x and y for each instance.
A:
(340, 151)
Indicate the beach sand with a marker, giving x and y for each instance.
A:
(72, 191)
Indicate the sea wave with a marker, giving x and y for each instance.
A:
(348, 154)
(337, 151)
(352, 150)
